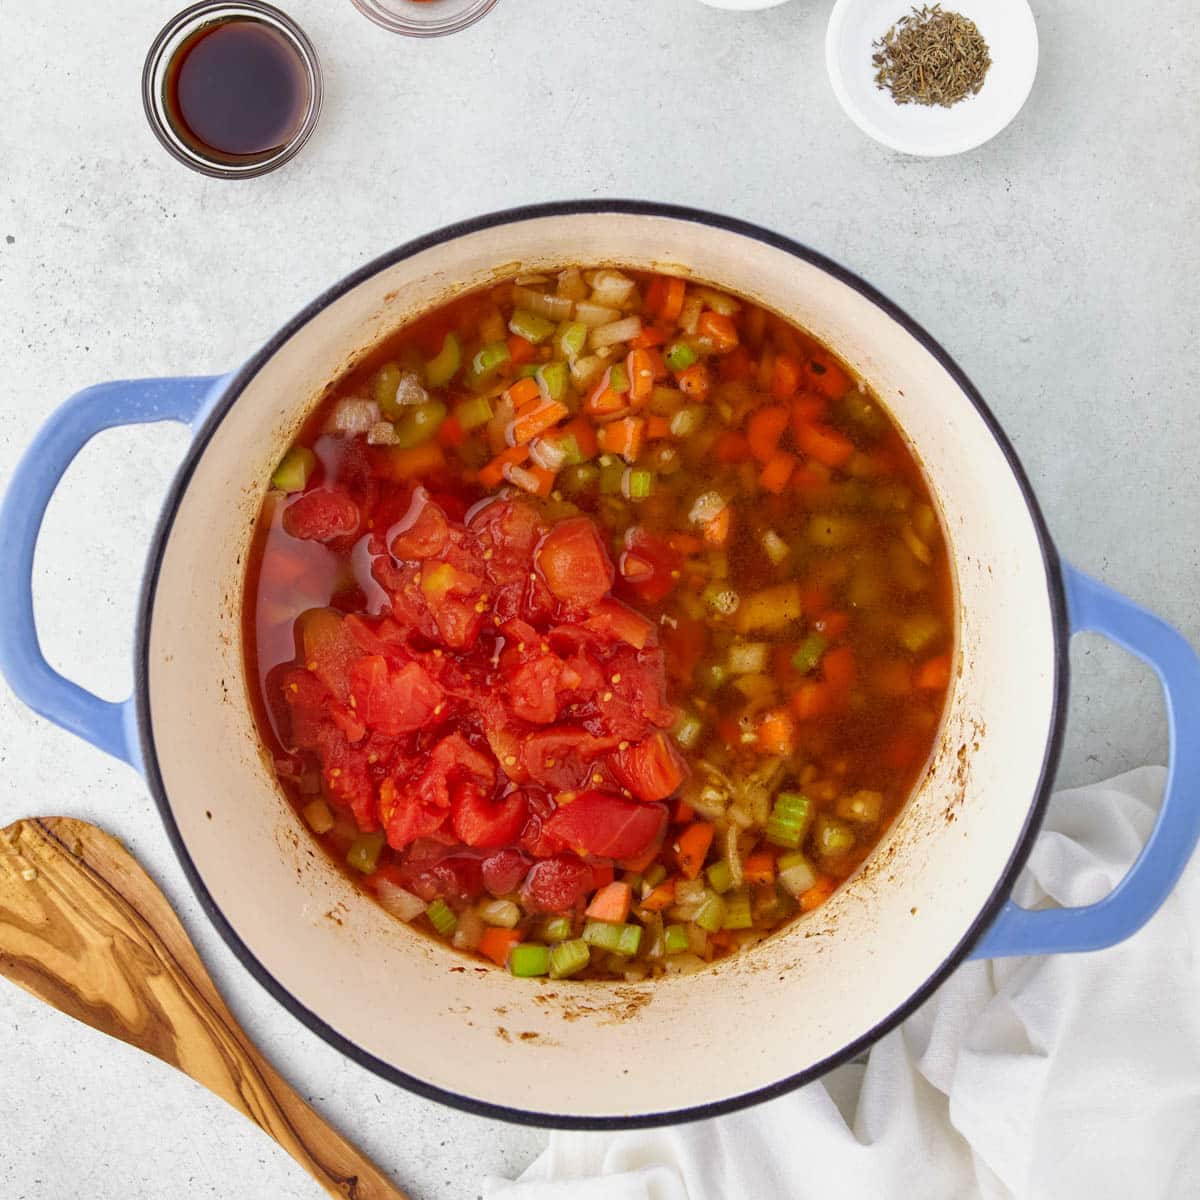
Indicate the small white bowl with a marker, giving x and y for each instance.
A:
(1007, 27)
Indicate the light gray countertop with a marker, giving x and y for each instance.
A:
(1059, 264)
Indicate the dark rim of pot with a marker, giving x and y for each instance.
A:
(1004, 884)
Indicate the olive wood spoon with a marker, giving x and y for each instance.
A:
(84, 928)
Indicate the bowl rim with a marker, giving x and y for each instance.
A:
(231, 390)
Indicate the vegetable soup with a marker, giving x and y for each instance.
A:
(600, 622)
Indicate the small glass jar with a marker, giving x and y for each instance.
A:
(155, 78)
(431, 18)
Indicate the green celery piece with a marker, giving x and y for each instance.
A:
(441, 917)
(680, 356)
(612, 473)
(442, 368)
(579, 478)
(737, 911)
(558, 929)
(489, 358)
(530, 326)
(364, 852)
(552, 376)
(473, 413)
(528, 959)
(638, 483)
(569, 958)
(655, 875)
(832, 837)
(809, 652)
(572, 339)
(419, 423)
(676, 939)
(720, 877)
(789, 820)
(294, 470)
(618, 378)
(711, 914)
(630, 939)
(528, 370)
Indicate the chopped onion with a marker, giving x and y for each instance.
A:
(382, 433)
(683, 964)
(689, 891)
(689, 316)
(550, 455)
(585, 369)
(469, 931)
(706, 508)
(530, 280)
(399, 902)
(409, 390)
(719, 302)
(611, 288)
(774, 547)
(616, 331)
(571, 284)
(595, 314)
(527, 481)
(747, 658)
(554, 308)
(354, 416)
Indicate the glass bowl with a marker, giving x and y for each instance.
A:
(424, 18)
(154, 83)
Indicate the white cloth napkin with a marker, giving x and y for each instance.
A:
(1076, 1075)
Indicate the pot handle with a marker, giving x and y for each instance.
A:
(108, 725)
(1093, 607)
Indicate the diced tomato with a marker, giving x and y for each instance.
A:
(404, 818)
(556, 884)
(392, 700)
(486, 823)
(320, 516)
(533, 689)
(504, 870)
(613, 619)
(422, 532)
(662, 560)
(305, 697)
(562, 757)
(453, 877)
(606, 825)
(574, 562)
(652, 769)
(329, 649)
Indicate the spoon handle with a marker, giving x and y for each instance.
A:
(84, 928)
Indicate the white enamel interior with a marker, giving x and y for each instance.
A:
(595, 1050)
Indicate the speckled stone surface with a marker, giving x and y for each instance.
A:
(1059, 265)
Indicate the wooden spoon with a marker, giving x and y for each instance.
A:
(84, 928)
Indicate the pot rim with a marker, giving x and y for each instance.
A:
(957, 955)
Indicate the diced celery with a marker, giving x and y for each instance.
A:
(796, 873)
(720, 877)
(618, 378)
(318, 816)
(687, 421)
(364, 852)
(710, 916)
(530, 326)
(617, 938)
(582, 477)
(473, 413)
(917, 631)
(775, 548)
(630, 939)
(863, 807)
(419, 424)
(737, 911)
(442, 368)
(441, 916)
(680, 356)
(612, 474)
(771, 609)
(654, 876)
(832, 837)
(502, 913)
(557, 929)
(527, 371)
(552, 379)
(384, 385)
(568, 443)
(789, 820)
(809, 652)
(489, 358)
(688, 729)
(676, 939)
(569, 958)
(528, 959)
(637, 483)
(572, 338)
(294, 470)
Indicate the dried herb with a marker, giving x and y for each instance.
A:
(931, 57)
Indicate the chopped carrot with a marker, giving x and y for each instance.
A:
(778, 470)
(759, 868)
(491, 475)
(934, 673)
(694, 381)
(602, 873)
(584, 433)
(611, 902)
(683, 812)
(736, 365)
(602, 401)
(809, 408)
(656, 295)
(451, 433)
(810, 700)
(785, 379)
(658, 364)
(538, 481)
(523, 392)
(731, 447)
(716, 532)
(824, 444)
(651, 335)
(624, 437)
(719, 329)
(691, 848)
(414, 462)
(657, 428)
(672, 304)
(496, 944)
(826, 377)
(520, 351)
(814, 598)
(817, 894)
(838, 668)
(640, 369)
(536, 418)
(685, 543)
(766, 370)
(661, 897)
(723, 939)
(764, 429)
(832, 624)
(776, 733)
(901, 751)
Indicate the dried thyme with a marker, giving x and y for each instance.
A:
(931, 57)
